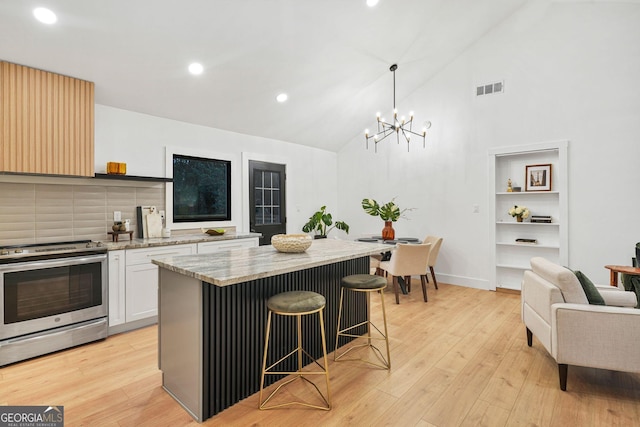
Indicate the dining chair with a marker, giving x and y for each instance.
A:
(408, 260)
(436, 242)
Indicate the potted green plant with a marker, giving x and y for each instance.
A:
(389, 212)
(322, 223)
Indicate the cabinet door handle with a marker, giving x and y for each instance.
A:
(163, 254)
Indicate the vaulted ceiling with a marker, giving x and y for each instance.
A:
(331, 57)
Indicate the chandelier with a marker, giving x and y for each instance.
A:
(398, 126)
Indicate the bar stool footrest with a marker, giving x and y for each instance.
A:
(263, 405)
(384, 364)
(343, 334)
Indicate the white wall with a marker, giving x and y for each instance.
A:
(571, 72)
(140, 140)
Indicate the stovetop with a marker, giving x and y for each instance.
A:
(50, 250)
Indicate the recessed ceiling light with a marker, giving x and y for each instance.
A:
(196, 68)
(44, 15)
(282, 97)
(372, 3)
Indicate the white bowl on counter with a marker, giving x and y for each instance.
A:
(291, 243)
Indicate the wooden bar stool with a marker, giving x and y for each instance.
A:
(296, 303)
(369, 284)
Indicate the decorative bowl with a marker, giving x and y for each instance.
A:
(291, 243)
(213, 231)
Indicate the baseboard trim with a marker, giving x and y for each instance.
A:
(468, 282)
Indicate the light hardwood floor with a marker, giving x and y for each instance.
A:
(459, 360)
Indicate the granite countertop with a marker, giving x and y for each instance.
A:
(180, 239)
(241, 265)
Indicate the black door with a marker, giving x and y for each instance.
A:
(267, 200)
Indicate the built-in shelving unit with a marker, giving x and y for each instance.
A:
(509, 258)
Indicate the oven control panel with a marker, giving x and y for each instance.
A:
(49, 250)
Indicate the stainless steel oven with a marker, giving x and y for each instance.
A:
(51, 297)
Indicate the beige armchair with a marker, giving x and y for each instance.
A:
(436, 242)
(408, 260)
(555, 309)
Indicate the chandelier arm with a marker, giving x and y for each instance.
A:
(412, 132)
(405, 137)
(404, 133)
(386, 125)
(385, 135)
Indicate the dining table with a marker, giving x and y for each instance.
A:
(379, 239)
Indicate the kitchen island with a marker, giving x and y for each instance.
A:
(212, 315)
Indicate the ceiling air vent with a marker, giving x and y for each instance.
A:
(490, 88)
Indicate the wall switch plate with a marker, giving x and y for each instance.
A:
(117, 216)
(162, 216)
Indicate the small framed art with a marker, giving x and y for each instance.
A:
(538, 177)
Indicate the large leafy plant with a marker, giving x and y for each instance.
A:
(387, 212)
(322, 223)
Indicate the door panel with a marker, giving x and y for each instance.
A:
(267, 200)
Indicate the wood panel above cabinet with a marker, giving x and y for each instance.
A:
(47, 122)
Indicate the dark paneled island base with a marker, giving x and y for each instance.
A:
(211, 338)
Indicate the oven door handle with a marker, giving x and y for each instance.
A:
(59, 262)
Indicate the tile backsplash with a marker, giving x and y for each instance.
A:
(41, 213)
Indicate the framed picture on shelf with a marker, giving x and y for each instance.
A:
(538, 178)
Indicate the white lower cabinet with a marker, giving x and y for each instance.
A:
(142, 279)
(133, 280)
(133, 285)
(142, 292)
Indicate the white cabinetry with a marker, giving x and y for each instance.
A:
(142, 279)
(209, 247)
(133, 280)
(510, 259)
(116, 288)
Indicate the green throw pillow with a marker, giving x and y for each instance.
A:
(593, 296)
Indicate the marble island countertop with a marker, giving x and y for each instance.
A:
(241, 265)
(179, 239)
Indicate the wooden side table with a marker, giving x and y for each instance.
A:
(116, 234)
(615, 269)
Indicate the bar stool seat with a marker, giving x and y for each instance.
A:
(298, 304)
(364, 283)
(295, 302)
